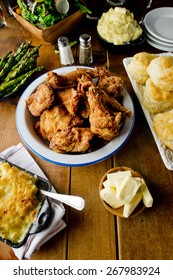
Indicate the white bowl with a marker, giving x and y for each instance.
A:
(25, 126)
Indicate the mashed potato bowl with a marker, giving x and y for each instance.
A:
(118, 28)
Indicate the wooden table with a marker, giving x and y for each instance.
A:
(95, 234)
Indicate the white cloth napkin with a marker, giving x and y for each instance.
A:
(20, 156)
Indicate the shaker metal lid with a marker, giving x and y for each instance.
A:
(85, 38)
(63, 41)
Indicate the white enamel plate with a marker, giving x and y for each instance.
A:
(25, 126)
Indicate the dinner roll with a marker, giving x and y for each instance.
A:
(156, 100)
(137, 66)
(163, 126)
(160, 71)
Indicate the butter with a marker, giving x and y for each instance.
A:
(146, 196)
(106, 184)
(115, 178)
(130, 207)
(109, 195)
(128, 189)
(122, 189)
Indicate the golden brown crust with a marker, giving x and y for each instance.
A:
(40, 100)
(163, 126)
(160, 71)
(138, 65)
(156, 100)
(19, 203)
(83, 108)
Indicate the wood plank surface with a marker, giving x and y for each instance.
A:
(93, 233)
(149, 235)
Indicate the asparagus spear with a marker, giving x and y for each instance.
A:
(16, 69)
(30, 52)
(4, 59)
(22, 68)
(17, 82)
(13, 60)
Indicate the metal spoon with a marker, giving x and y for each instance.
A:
(76, 202)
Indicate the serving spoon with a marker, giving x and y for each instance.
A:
(76, 202)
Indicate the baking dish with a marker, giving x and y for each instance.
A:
(44, 212)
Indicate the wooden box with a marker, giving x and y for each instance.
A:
(51, 33)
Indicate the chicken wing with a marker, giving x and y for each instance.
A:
(68, 80)
(111, 85)
(56, 81)
(113, 105)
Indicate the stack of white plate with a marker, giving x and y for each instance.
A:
(158, 28)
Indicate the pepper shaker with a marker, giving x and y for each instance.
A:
(85, 50)
(65, 52)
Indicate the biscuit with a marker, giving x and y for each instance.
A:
(163, 126)
(156, 100)
(137, 66)
(160, 71)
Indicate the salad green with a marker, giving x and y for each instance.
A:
(43, 13)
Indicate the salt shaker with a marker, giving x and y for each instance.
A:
(85, 50)
(65, 52)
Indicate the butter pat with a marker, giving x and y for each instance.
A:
(109, 195)
(128, 189)
(146, 196)
(130, 207)
(106, 184)
(115, 179)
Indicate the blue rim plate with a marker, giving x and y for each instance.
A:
(25, 126)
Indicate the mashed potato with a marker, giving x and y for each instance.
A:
(118, 26)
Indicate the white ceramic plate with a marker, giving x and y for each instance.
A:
(159, 22)
(166, 154)
(156, 41)
(158, 46)
(25, 122)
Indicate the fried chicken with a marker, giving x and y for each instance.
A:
(68, 80)
(113, 105)
(57, 119)
(78, 107)
(70, 98)
(105, 112)
(103, 123)
(40, 100)
(71, 140)
(111, 85)
(56, 81)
